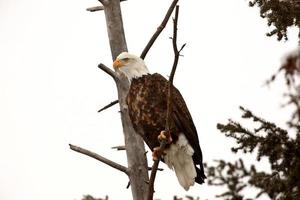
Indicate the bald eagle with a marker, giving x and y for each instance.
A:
(147, 106)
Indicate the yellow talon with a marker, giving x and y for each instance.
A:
(162, 136)
(165, 136)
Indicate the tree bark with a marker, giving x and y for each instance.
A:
(115, 28)
(135, 150)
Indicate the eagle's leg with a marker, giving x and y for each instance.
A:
(163, 136)
(157, 152)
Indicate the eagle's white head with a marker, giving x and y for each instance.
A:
(132, 66)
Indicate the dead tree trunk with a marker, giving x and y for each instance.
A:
(137, 169)
(135, 150)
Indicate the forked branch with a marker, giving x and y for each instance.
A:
(159, 29)
(169, 104)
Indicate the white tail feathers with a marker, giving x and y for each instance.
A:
(179, 158)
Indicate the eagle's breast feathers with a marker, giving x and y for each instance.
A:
(146, 108)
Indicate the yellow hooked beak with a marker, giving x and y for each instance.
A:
(117, 64)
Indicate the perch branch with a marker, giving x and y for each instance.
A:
(109, 105)
(108, 71)
(154, 169)
(99, 158)
(159, 29)
(169, 105)
(95, 8)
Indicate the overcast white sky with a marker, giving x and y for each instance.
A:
(51, 88)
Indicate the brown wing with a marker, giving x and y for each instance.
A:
(182, 119)
(183, 122)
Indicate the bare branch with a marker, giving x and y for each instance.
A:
(159, 29)
(119, 148)
(182, 48)
(175, 48)
(95, 8)
(153, 172)
(169, 104)
(109, 105)
(108, 71)
(159, 169)
(128, 185)
(100, 158)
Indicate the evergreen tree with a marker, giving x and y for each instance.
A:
(281, 147)
(281, 14)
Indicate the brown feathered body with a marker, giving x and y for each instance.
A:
(147, 105)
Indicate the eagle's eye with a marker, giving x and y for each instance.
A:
(126, 59)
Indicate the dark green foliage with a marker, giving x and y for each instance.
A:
(281, 14)
(266, 139)
(290, 69)
(291, 72)
(270, 141)
(231, 175)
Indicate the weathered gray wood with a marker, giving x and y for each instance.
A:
(95, 8)
(115, 28)
(137, 162)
